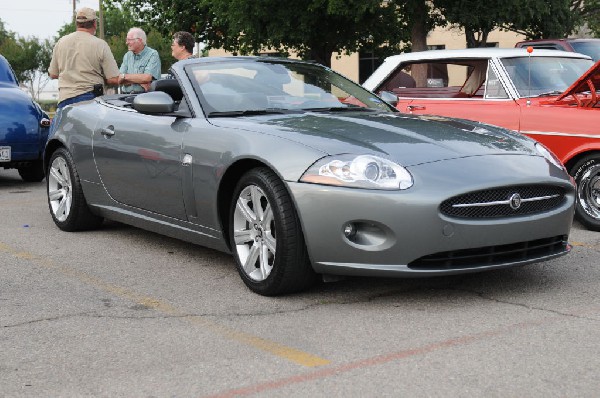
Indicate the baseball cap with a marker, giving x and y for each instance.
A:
(86, 14)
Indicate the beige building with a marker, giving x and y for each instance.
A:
(359, 66)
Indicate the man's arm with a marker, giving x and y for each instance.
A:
(113, 81)
(135, 78)
(53, 67)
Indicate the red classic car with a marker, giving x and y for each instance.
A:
(551, 96)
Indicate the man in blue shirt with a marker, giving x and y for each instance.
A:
(141, 64)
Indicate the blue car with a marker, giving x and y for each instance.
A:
(24, 128)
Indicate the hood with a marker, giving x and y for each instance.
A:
(588, 82)
(407, 139)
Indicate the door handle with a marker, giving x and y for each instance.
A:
(108, 131)
(411, 108)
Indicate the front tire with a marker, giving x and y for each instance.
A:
(266, 236)
(67, 204)
(586, 173)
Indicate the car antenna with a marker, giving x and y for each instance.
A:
(529, 51)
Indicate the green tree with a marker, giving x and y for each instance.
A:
(588, 12)
(544, 18)
(4, 34)
(313, 29)
(29, 58)
(532, 18)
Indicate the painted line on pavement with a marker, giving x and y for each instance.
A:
(280, 350)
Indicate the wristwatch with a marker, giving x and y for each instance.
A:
(122, 76)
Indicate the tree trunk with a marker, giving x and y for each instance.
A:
(473, 41)
(418, 38)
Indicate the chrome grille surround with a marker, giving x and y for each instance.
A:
(504, 202)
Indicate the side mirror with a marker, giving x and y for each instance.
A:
(154, 102)
(389, 97)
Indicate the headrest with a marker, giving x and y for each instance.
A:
(169, 86)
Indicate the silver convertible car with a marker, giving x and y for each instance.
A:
(300, 173)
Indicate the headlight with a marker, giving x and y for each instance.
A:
(362, 171)
(545, 152)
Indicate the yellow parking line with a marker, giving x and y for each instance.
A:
(282, 351)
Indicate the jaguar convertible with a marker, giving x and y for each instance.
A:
(302, 174)
(551, 96)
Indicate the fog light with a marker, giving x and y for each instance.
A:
(349, 230)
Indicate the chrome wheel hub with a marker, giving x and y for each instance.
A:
(60, 189)
(588, 192)
(254, 233)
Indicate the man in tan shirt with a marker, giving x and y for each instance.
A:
(80, 61)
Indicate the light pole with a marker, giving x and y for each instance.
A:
(75, 13)
(100, 20)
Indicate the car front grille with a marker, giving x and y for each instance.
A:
(520, 252)
(504, 202)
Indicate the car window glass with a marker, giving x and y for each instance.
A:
(240, 86)
(446, 79)
(533, 76)
(591, 48)
(494, 88)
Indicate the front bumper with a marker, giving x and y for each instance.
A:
(403, 233)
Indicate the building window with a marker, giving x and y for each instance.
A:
(367, 63)
(436, 47)
(271, 54)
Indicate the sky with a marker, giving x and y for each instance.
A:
(40, 18)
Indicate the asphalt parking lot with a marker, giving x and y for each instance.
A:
(124, 312)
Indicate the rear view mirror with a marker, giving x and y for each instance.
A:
(389, 97)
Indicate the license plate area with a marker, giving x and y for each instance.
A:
(4, 154)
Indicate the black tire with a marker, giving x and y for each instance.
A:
(274, 236)
(586, 173)
(33, 172)
(66, 201)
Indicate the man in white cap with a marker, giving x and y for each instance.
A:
(82, 63)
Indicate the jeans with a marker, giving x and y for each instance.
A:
(73, 100)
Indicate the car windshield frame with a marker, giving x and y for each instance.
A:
(540, 76)
(245, 87)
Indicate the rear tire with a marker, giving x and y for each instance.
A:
(586, 173)
(33, 172)
(266, 236)
(66, 201)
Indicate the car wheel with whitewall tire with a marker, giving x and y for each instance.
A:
(66, 201)
(266, 236)
(586, 173)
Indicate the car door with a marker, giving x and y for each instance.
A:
(138, 158)
(503, 113)
(491, 104)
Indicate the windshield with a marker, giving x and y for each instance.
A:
(534, 76)
(254, 86)
(591, 48)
